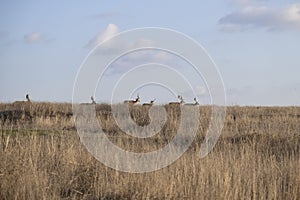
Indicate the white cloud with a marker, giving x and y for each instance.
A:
(138, 48)
(106, 34)
(114, 46)
(33, 37)
(272, 19)
(140, 57)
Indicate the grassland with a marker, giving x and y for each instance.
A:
(256, 157)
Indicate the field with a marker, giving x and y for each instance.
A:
(256, 157)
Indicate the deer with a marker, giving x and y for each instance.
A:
(22, 107)
(132, 102)
(149, 104)
(93, 102)
(193, 104)
(181, 101)
(27, 98)
(22, 102)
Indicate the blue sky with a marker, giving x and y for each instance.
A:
(255, 44)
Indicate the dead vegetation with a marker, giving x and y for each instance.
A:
(257, 156)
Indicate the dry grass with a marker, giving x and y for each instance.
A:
(257, 157)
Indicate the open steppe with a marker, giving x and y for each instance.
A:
(256, 157)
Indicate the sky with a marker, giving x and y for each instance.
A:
(254, 43)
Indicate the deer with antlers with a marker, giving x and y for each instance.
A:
(132, 102)
(196, 103)
(92, 102)
(21, 102)
(149, 104)
(181, 101)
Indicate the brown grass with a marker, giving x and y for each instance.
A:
(257, 156)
